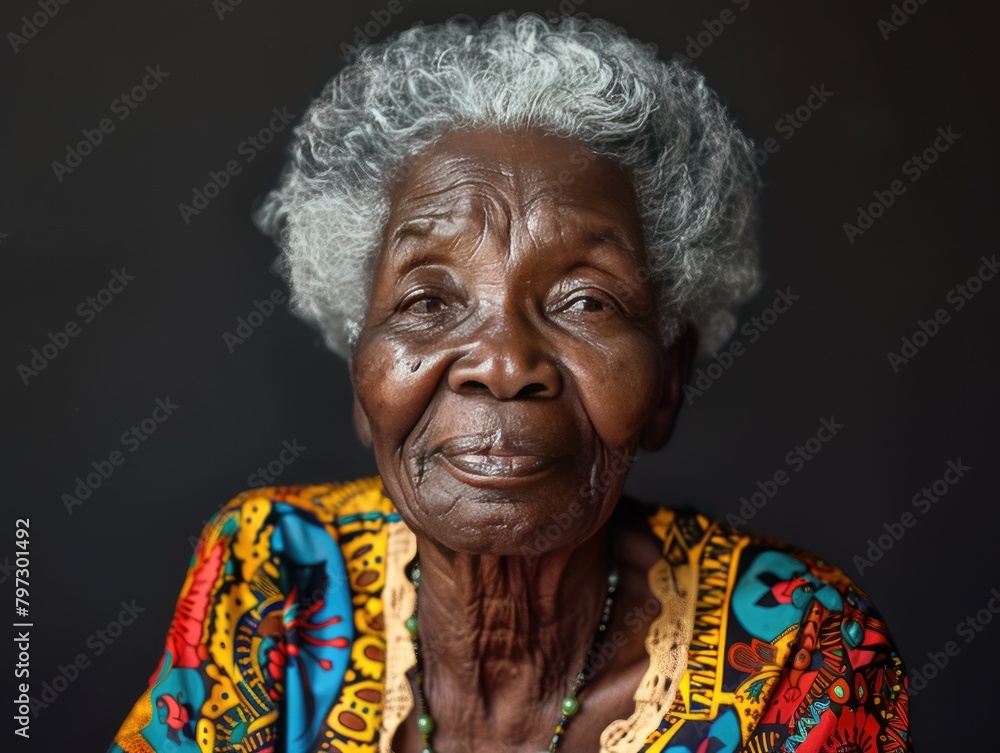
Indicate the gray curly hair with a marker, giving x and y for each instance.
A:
(693, 171)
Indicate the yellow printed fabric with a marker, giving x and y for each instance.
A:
(278, 640)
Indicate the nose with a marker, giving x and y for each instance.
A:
(507, 358)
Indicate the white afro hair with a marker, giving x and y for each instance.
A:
(693, 171)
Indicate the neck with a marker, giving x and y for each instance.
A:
(502, 634)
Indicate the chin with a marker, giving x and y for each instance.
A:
(499, 523)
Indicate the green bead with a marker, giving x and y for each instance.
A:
(412, 625)
(424, 723)
(570, 706)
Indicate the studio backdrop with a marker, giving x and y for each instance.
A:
(153, 369)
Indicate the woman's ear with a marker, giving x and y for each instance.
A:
(677, 368)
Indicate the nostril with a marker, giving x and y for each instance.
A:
(531, 389)
(474, 386)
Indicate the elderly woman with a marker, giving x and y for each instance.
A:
(518, 236)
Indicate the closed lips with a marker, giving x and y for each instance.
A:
(493, 457)
(490, 464)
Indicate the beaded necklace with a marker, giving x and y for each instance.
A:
(570, 705)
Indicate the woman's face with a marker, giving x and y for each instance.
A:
(510, 364)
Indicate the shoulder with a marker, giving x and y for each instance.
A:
(268, 530)
(282, 601)
(770, 584)
(327, 536)
(788, 652)
(339, 505)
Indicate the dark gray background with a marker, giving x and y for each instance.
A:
(163, 336)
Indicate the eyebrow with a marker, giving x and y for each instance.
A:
(417, 226)
(609, 235)
(423, 226)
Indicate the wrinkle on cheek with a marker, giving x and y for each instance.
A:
(412, 459)
(440, 513)
(620, 395)
(452, 503)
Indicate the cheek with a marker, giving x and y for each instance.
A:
(620, 391)
(394, 383)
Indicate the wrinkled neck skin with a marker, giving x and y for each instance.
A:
(503, 638)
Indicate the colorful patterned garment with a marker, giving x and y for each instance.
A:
(289, 636)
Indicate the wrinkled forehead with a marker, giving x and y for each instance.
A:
(529, 177)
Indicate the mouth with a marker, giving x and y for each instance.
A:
(485, 462)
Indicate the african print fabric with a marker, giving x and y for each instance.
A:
(278, 642)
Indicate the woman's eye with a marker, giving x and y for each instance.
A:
(587, 304)
(424, 304)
